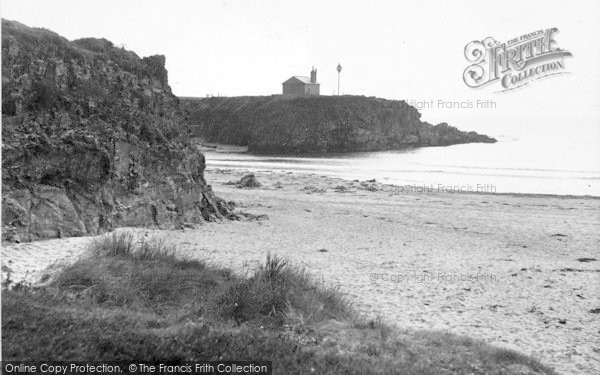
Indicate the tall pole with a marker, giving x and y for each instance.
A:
(339, 69)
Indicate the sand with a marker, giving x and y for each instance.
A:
(506, 269)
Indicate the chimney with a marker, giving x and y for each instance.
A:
(313, 75)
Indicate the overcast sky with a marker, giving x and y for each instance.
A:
(393, 49)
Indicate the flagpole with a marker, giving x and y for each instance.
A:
(339, 69)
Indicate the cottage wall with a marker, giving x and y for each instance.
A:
(293, 89)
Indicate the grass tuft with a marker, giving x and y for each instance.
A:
(125, 246)
(278, 291)
(273, 268)
(113, 245)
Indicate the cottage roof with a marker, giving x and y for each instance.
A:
(299, 79)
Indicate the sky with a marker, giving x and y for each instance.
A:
(410, 50)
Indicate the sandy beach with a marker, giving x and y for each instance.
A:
(519, 271)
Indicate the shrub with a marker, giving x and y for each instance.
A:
(278, 290)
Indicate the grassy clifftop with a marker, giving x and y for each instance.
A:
(275, 124)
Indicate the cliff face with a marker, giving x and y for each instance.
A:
(274, 124)
(92, 140)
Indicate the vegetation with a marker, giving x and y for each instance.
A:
(138, 300)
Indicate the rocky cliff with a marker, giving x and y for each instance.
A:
(92, 140)
(275, 124)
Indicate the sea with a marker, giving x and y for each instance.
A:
(546, 157)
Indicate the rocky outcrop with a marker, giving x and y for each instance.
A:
(248, 181)
(92, 140)
(276, 124)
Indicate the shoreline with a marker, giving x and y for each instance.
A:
(347, 180)
(414, 173)
(504, 268)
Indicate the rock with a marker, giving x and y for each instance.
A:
(311, 189)
(93, 139)
(279, 125)
(252, 217)
(248, 181)
(585, 260)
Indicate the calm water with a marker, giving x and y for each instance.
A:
(563, 160)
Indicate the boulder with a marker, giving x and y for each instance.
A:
(248, 181)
